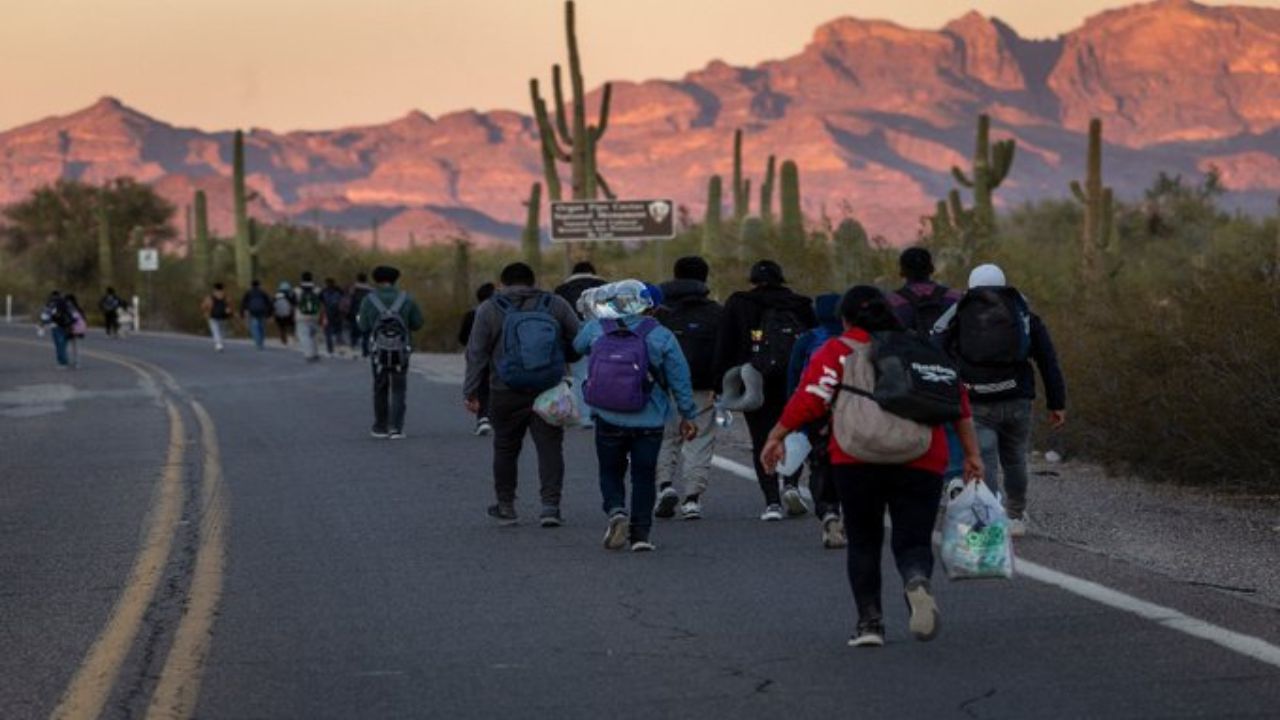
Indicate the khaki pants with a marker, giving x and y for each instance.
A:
(688, 464)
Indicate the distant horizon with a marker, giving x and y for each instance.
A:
(329, 73)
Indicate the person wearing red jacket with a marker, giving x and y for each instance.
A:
(910, 491)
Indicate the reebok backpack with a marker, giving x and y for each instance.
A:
(862, 427)
(771, 345)
(925, 309)
(914, 379)
(695, 326)
(618, 377)
(533, 355)
(389, 344)
(308, 301)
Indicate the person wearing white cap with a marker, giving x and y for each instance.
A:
(995, 338)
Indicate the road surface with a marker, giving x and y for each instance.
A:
(191, 534)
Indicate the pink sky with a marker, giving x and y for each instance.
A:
(290, 64)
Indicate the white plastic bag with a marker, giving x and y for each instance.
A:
(975, 536)
(559, 405)
(797, 449)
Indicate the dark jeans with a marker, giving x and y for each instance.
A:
(1004, 435)
(759, 423)
(60, 339)
(111, 319)
(389, 399)
(826, 499)
(512, 416)
(482, 396)
(616, 448)
(359, 339)
(285, 325)
(332, 334)
(912, 499)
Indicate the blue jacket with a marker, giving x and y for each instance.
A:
(827, 308)
(666, 361)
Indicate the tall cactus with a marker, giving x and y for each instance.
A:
(991, 165)
(792, 230)
(851, 242)
(531, 239)
(741, 185)
(201, 249)
(461, 273)
(1097, 201)
(711, 227)
(244, 263)
(106, 261)
(253, 249)
(581, 138)
(766, 192)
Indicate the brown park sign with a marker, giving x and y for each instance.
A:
(612, 220)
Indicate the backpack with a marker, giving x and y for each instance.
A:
(282, 308)
(913, 379)
(59, 313)
(389, 344)
(109, 303)
(862, 427)
(218, 308)
(533, 356)
(695, 326)
(993, 327)
(258, 304)
(308, 301)
(771, 345)
(925, 309)
(333, 300)
(618, 377)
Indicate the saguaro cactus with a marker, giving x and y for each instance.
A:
(850, 241)
(792, 230)
(991, 165)
(711, 228)
(202, 258)
(579, 137)
(106, 260)
(461, 272)
(766, 192)
(741, 185)
(244, 263)
(531, 239)
(1097, 201)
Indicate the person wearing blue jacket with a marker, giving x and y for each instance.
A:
(635, 438)
(826, 503)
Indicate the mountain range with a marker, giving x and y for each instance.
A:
(875, 114)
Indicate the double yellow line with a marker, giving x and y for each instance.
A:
(178, 688)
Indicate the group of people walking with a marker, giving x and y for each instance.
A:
(304, 313)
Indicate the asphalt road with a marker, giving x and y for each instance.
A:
(305, 570)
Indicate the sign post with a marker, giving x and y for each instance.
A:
(148, 263)
(591, 220)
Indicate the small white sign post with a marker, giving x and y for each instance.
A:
(149, 263)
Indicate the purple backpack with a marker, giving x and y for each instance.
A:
(618, 376)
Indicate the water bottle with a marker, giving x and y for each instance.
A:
(797, 449)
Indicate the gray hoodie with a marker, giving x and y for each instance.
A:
(485, 347)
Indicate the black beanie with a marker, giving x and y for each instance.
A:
(385, 274)
(767, 272)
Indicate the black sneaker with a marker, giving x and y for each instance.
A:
(870, 633)
(380, 433)
(504, 513)
(550, 516)
(668, 499)
(924, 610)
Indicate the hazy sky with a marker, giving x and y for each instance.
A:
(290, 64)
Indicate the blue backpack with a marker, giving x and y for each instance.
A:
(618, 377)
(533, 356)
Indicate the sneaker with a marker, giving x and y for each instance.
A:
(504, 513)
(378, 432)
(218, 347)
(667, 502)
(483, 427)
(691, 509)
(396, 434)
(793, 502)
(550, 517)
(1017, 527)
(642, 546)
(870, 633)
(924, 610)
(615, 538)
(833, 532)
(772, 513)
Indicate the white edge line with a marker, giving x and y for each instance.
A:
(1246, 645)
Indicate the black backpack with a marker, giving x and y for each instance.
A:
(218, 309)
(771, 344)
(993, 328)
(110, 303)
(915, 379)
(925, 309)
(389, 344)
(695, 325)
(59, 313)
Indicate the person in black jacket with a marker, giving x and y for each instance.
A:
(1002, 390)
(694, 317)
(483, 425)
(759, 326)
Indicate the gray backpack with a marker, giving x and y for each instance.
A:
(389, 344)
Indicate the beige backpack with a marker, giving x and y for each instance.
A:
(865, 430)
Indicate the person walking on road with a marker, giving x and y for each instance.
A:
(282, 309)
(584, 278)
(920, 302)
(994, 337)
(355, 299)
(308, 307)
(689, 312)
(909, 489)
(217, 310)
(57, 318)
(522, 341)
(636, 368)
(826, 501)
(331, 300)
(79, 329)
(760, 327)
(389, 317)
(255, 308)
(484, 426)
(111, 305)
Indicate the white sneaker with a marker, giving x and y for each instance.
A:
(1017, 527)
(483, 427)
(615, 537)
(772, 513)
(217, 348)
(794, 502)
(691, 510)
(833, 536)
(924, 610)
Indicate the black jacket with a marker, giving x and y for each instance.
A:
(574, 285)
(468, 322)
(693, 298)
(744, 312)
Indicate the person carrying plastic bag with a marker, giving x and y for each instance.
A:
(975, 534)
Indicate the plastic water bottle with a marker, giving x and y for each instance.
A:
(724, 418)
(797, 450)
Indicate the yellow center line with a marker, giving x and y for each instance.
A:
(176, 694)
